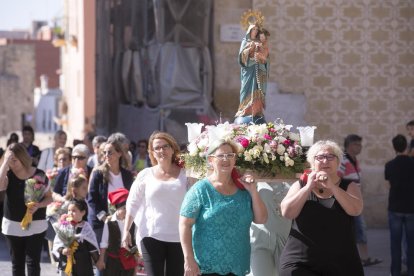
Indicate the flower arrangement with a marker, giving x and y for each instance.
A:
(34, 190)
(66, 232)
(269, 149)
(51, 175)
(55, 209)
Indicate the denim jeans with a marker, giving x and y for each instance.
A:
(360, 229)
(398, 221)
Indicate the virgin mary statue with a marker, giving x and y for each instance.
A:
(254, 64)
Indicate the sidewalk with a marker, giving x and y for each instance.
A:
(379, 247)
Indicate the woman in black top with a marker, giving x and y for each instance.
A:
(25, 245)
(321, 241)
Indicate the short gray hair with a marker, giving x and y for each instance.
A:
(81, 149)
(97, 140)
(324, 144)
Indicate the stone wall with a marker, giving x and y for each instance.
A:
(17, 72)
(352, 60)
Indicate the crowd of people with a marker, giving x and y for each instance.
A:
(123, 197)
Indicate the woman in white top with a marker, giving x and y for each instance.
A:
(154, 205)
(104, 179)
(47, 158)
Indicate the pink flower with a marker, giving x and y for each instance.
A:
(291, 152)
(287, 143)
(244, 142)
(38, 186)
(273, 144)
(267, 137)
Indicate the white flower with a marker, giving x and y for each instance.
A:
(267, 148)
(247, 156)
(257, 130)
(265, 158)
(294, 136)
(256, 151)
(281, 139)
(288, 161)
(203, 143)
(280, 149)
(192, 149)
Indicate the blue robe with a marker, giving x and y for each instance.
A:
(252, 95)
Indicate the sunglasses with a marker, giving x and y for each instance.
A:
(79, 157)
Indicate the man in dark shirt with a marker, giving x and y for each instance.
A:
(400, 177)
(28, 138)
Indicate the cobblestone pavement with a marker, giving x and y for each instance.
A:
(378, 247)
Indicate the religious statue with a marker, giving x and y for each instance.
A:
(254, 64)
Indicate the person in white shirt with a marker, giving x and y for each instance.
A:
(47, 157)
(104, 179)
(154, 205)
(115, 260)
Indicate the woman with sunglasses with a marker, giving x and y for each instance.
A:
(80, 154)
(106, 178)
(322, 206)
(154, 205)
(216, 216)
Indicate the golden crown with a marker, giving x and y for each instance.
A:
(252, 17)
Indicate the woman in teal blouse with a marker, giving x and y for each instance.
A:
(216, 216)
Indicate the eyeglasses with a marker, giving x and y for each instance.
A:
(79, 157)
(163, 147)
(225, 156)
(108, 153)
(322, 157)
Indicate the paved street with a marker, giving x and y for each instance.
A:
(378, 247)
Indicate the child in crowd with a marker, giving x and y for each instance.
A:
(410, 130)
(77, 189)
(119, 261)
(87, 250)
(77, 186)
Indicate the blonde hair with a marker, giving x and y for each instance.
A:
(123, 160)
(20, 152)
(75, 182)
(169, 139)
